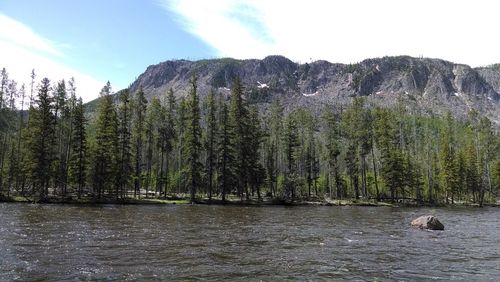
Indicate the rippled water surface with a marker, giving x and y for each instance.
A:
(59, 242)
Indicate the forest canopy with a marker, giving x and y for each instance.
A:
(225, 147)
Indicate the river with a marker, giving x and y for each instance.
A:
(111, 242)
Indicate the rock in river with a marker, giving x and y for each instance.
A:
(427, 222)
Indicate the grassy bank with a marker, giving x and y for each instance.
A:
(231, 201)
(181, 199)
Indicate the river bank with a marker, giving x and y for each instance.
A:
(234, 201)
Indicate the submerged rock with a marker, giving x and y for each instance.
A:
(427, 222)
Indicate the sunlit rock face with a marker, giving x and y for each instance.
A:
(426, 86)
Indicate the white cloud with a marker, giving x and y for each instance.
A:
(18, 34)
(23, 50)
(345, 31)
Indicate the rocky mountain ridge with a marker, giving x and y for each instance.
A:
(422, 84)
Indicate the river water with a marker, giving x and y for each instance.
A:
(65, 242)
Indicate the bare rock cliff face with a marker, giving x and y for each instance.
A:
(423, 85)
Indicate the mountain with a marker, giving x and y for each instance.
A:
(422, 84)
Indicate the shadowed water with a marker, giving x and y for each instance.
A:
(63, 242)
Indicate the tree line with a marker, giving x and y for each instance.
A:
(225, 147)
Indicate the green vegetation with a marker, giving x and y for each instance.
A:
(224, 150)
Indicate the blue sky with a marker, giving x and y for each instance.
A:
(100, 40)
(107, 40)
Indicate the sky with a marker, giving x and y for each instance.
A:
(99, 40)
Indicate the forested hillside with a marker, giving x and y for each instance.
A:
(219, 145)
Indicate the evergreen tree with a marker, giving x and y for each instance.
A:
(105, 146)
(192, 144)
(140, 105)
(13, 168)
(331, 131)
(152, 134)
(68, 131)
(182, 114)
(496, 173)
(291, 143)
(12, 94)
(167, 136)
(4, 124)
(225, 152)
(274, 146)
(77, 161)
(310, 157)
(62, 118)
(124, 142)
(487, 151)
(239, 118)
(448, 158)
(412, 177)
(40, 143)
(356, 132)
(392, 157)
(256, 172)
(210, 142)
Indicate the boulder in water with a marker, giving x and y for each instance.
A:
(427, 222)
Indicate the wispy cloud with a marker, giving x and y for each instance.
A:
(18, 34)
(22, 50)
(344, 31)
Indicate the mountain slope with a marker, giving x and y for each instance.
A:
(425, 85)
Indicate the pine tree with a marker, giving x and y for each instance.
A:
(393, 171)
(16, 171)
(448, 159)
(256, 172)
(274, 146)
(182, 114)
(32, 85)
(62, 114)
(124, 143)
(238, 117)
(68, 131)
(462, 175)
(496, 173)
(210, 142)
(152, 134)
(4, 124)
(167, 135)
(13, 168)
(105, 147)
(354, 130)
(352, 163)
(331, 131)
(471, 172)
(310, 158)
(12, 94)
(77, 162)
(140, 105)
(487, 151)
(412, 177)
(387, 140)
(40, 143)
(291, 142)
(171, 130)
(225, 152)
(366, 145)
(192, 145)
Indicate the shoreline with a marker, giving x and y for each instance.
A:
(234, 202)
